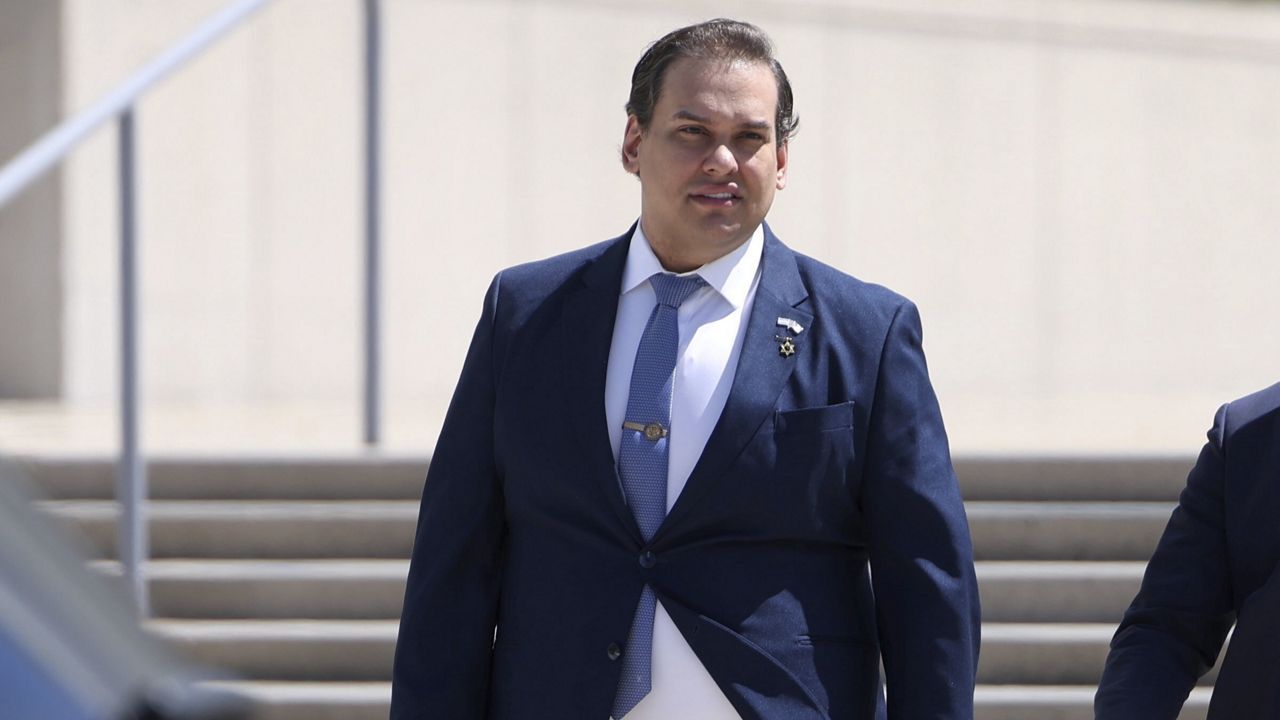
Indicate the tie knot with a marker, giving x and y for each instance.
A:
(674, 289)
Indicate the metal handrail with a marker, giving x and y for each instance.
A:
(28, 166)
(50, 149)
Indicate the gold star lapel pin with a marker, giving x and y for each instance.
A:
(786, 348)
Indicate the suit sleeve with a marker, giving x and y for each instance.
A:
(446, 634)
(1172, 632)
(927, 606)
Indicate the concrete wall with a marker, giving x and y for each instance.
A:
(1080, 195)
(31, 359)
(248, 208)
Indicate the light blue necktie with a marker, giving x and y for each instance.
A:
(642, 464)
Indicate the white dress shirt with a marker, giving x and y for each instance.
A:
(712, 323)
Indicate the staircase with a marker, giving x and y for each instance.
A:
(1061, 545)
(289, 571)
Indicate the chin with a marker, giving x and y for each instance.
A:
(731, 232)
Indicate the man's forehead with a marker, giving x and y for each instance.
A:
(718, 90)
(749, 122)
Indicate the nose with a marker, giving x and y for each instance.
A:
(720, 161)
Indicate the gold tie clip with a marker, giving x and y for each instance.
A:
(652, 431)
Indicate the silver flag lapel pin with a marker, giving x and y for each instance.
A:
(792, 325)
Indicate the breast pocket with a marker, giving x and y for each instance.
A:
(814, 419)
(815, 453)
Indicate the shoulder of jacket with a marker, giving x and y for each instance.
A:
(828, 285)
(1263, 405)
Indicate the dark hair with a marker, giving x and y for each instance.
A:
(721, 39)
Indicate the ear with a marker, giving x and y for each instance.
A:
(631, 145)
(782, 165)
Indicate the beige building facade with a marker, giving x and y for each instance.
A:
(1083, 196)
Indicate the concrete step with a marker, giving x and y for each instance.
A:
(253, 529)
(274, 589)
(1066, 530)
(273, 700)
(385, 528)
(1043, 653)
(1043, 592)
(378, 475)
(1065, 478)
(314, 476)
(1057, 702)
(368, 589)
(291, 650)
(1047, 653)
(1050, 654)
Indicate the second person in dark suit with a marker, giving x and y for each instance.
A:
(1218, 563)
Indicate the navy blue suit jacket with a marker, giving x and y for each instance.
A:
(821, 530)
(1216, 560)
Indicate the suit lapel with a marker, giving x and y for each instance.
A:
(761, 374)
(586, 332)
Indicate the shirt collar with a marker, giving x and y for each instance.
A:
(730, 276)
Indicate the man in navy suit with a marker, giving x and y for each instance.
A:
(1217, 563)
(811, 527)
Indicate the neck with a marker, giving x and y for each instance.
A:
(680, 256)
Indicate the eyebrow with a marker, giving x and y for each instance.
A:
(754, 124)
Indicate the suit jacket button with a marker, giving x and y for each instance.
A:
(613, 651)
(648, 559)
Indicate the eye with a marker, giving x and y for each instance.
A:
(692, 130)
(754, 136)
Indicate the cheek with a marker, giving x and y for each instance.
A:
(765, 182)
(762, 168)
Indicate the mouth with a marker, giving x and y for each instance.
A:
(720, 198)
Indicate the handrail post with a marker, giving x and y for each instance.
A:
(372, 259)
(131, 487)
